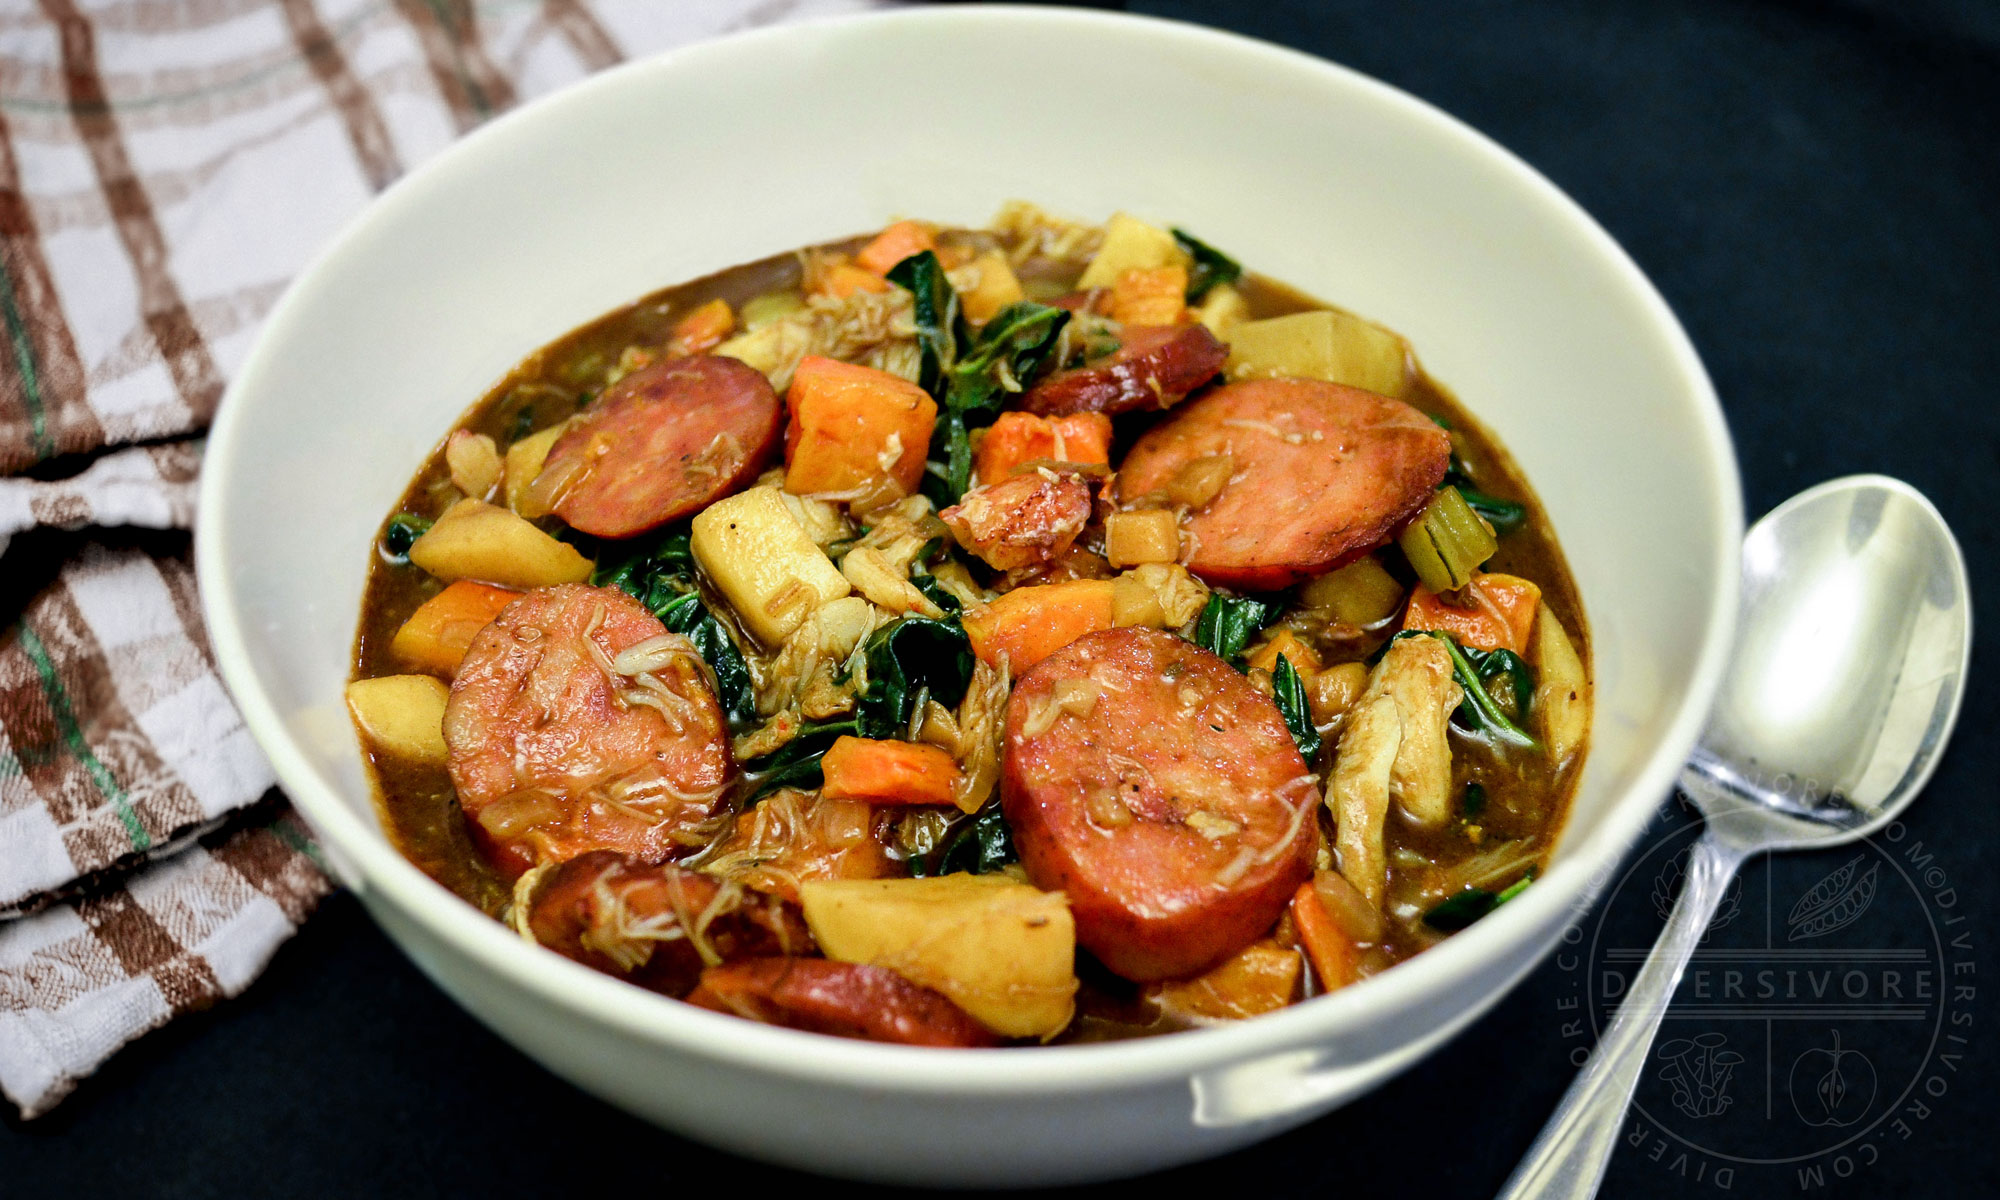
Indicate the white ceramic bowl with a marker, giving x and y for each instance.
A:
(670, 168)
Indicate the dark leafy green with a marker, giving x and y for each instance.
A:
(692, 619)
(1456, 912)
(924, 581)
(1008, 351)
(1479, 710)
(979, 846)
(796, 764)
(1474, 801)
(970, 376)
(934, 309)
(658, 572)
(1290, 695)
(1227, 624)
(400, 534)
(655, 570)
(1211, 266)
(1504, 516)
(912, 658)
(1504, 668)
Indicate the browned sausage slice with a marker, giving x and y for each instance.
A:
(657, 926)
(1156, 366)
(843, 999)
(662, 443)
(1175, 812)
(1324, 473)
(577, 722)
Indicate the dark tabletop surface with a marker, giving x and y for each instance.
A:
(1813, 187)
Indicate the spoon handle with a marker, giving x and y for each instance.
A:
(1568, 1159)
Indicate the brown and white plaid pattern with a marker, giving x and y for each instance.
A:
(166, 167)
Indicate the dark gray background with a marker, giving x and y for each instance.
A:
(1813, 188)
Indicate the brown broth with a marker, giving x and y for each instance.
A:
(1525, 798)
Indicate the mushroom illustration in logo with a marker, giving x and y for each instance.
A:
(1832, 1086)
(1699, 1069)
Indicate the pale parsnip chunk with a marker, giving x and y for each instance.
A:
(1562, 693)
(1222, 310)
(1002, 950)
(764, 563)
(524, 461)
(1129, 244)
(477, 540)
(1333, 346)
(401, 715)
(775, 349)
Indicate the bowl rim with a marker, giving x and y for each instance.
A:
(381, 873)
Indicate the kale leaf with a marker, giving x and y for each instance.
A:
(1290, 695)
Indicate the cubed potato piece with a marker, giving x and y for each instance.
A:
(1148, 536)
(1222, 310)
(853, 427)
(1359, 594)
(1130, 244)
(1562, 691)
(995, 289)
(1260, 978)
(1334, 346)
(401, 715)
(1003, 951)
(476, 540)
(764, 563)
(524, 461)
(775, 349)
(437, 635)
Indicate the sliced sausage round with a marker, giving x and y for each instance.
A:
(661, 443)
(1324, 473)
(656, 925)
(1170, 804)
(1156, 366)
(577, 722)
(844, 999)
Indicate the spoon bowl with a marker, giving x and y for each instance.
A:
(1852, 647)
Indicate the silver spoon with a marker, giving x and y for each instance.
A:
(1851, 651)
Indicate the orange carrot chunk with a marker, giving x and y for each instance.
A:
(852, 427)
(887, 772)
(893, 245)
(1028, 624)
(437, 634)
(1303, 658)
(702, 329)
(1333, 955)
(1020, 437)
(1500, 616)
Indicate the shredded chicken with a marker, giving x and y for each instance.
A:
(1395, 746)
(830, 636)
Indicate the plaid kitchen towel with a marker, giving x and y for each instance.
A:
(166, 167)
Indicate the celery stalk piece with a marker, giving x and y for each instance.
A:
(1447, 542)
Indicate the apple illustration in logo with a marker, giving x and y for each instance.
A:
(1831, 1086)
